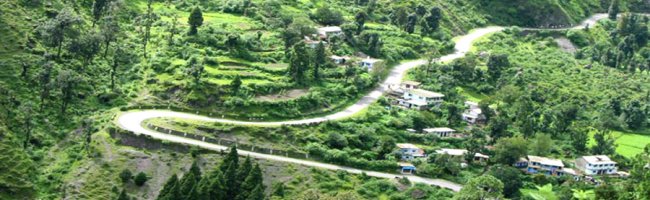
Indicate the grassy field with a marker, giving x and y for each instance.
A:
(628, 143)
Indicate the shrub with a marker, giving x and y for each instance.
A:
(140, 179)
(126, 175)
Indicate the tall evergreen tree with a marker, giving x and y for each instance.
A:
(319, 60)
(67, 83)
(231, 157)
(231, 181)
(170, 190)
(211, 186)
(187, 185)
(432, 20)
(148, 22)
(253, 181)
(256, 194)
(245, 169)
(298, 62)
(195, 20)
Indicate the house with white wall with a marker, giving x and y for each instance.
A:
(410, 151)
(328, 31)
(420, 99)
(596, 165)
(473, 114)
(442, 132)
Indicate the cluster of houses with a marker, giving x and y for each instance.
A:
(325, 33)
(410, 152)
(586, 166)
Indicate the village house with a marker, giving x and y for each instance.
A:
(543, 165)
(410, 151)
(420, 99)
(596, 165)
(460, 153)
(473, 114)
(329, 31)
(442, 132)
(339, 60)
(406, 168)
(369, 63)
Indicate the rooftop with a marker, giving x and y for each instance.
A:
(405, 164)
(453, 152)
(370, 60)
(329, 29)
(406, 146)
(598, 159)
(425, 93)
(545, 161)
(411, 83)
(439, 129)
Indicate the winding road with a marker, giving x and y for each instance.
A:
(133, 120)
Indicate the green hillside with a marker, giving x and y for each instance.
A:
(70, 67)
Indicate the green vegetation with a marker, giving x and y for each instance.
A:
(69, 66)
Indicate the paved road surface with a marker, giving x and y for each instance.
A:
(132, 120)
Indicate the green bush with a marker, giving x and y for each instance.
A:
(140, 179)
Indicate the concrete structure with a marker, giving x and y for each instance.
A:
(596, 165)
(543, 165)
(442, 132)
(420, 99)
(460, 153)
(369, 63)
(339, 60)
(410, 151)
(473, 114)
(406, 168)
(328, 31)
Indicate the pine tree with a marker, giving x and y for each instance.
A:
(187, 185)
(360, 20)
(170, 190)
(211, 186)
(256, 194)
(231, 157)
(245, 169)
(231, 181)
(195, 20)
(235, 85)
(194, 169)
(253, 181)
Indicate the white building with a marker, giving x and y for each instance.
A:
(478, 157)
(369, 63)
(442, 132)
(328, 31)
(410, 151)
(339, 60)
(420, 99)
(596, 165)
(473, 114)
